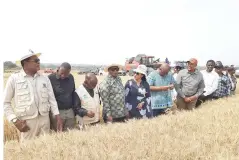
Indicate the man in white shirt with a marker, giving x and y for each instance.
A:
(87, 102)
(178, 67)
(211, 82)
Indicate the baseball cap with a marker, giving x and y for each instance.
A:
(193, 60)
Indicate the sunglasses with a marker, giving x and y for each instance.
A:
(114, 69)
(35, 60)
(136, 73)
(218, 67)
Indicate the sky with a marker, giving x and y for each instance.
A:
(109, 31)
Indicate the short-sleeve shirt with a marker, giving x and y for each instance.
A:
(160, 99)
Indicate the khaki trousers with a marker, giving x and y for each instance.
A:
(181, 104)
(38, 126)
(68, 120)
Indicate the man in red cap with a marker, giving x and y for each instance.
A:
(190, 85)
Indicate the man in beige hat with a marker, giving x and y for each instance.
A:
(34, 98)
(113, 96)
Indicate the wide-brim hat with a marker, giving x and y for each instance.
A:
(30, 54)
(113, 65)
(141, 69)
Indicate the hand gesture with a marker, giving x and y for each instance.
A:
(21, 125)
(90, 114)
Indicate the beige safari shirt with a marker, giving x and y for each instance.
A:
(32, 96)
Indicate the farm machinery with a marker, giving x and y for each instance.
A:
(49, 70)
(149, 61)
(182, 64)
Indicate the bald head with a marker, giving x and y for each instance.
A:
(164, 69)
(165, 66)
(90, 80)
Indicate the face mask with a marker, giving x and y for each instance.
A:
(224, 72)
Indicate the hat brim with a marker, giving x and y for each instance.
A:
(113, 65)
(139, 71)
(18, 62)
(193, 62)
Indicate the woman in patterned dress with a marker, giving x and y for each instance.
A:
(137, 94)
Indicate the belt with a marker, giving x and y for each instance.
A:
(65, 109)
(190, 95)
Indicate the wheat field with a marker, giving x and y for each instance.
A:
(210, 132)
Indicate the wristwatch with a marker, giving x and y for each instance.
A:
(14, 120)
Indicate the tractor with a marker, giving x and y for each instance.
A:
(182, 64)
(148, 61)
(49, 70)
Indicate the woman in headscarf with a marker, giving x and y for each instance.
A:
(137, 92)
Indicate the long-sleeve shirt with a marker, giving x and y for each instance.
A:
(113, 97)
(190, 83)
(33, 95)
(233, 80)
(211, 82)
(138, 94)
(77, 108)
(63, 90)
(224, 87)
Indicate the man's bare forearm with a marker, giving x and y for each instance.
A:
(162, 88)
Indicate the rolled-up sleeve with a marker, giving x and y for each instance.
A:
(52, 99)
(104, 92)
(8, 95)
(77, 108)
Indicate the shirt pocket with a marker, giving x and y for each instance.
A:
(23, 96)
(45, 107)
(25, 110)
(44, 95)
(23, 99)
(22, 85)
(22, 110)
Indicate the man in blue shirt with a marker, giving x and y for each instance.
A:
(161, 85)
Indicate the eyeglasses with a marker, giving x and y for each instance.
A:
(35, 60)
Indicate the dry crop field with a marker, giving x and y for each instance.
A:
(210, 132)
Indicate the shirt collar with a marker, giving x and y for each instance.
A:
(195, 72)
(111, 77)
(58, 77)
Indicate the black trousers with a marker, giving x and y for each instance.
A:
(115, 120)
(202, 99)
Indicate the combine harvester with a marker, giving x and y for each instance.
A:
(148, 61)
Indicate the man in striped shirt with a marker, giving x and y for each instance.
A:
(224, 84)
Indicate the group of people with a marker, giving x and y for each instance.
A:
(44, 103)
